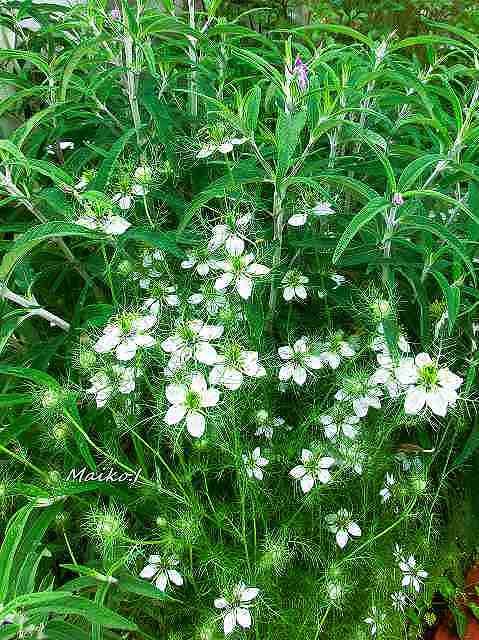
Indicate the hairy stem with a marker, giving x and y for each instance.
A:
(35, 309)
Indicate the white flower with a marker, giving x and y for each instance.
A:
(299, 360)
(399, 600)
(199, 262)
(142, 178)
(427, 385)
(225, 146)
(267, 425)
(130, 331)
(236, 612)
(375, 620)
(192, 340)
(335, 349)
(234, 365)
(320, 209)
(338, 279)
(413, 575)
(110, 224)
(364, 396)
(163, 294)
(239, 271)
(313, 469)
(346, 425)
(385, 492)
(254, 463)
(63, 145)
(103, 386)
(230, 238)
(188, 402)
(340, 523)
(162, 572)
(212, 301)
(293, 286)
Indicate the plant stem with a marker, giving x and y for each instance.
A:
(192, 54)
(278, 215)
(35, 309)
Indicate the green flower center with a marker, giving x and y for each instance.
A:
(193, 400)
(429, 376)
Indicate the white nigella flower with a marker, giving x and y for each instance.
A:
(335, 349)
(150, 262)
(212, 301)
(163, 294)
(399, 600)
(239, 272)
(389, 482)
(427, 384)
(380, 343)
(346, 425)
(161, 572)
(192, 340)
(299, 360)
(233, 365)
(189, 402)
(376, 620)
(224, 146)
(198, 261)
(266, 424)
(412, 574)
(294, 286)
(254, 463)
(129, 332)
(338, 279)
(141, 180)
(109, 223)
(104, 386)
(229, 236)
(340, 523)
(62, 144)
(314, 469)
(236, 610)
(320, 209)
(352, 455)
(362, 397)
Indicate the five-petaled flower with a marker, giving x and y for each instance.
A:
(191, 340)
(299, 360)
(161, 571)
(314, 469)
(343, 527)
(189, 402)
(239, 271)
(103, 386)
(129, 332)
(413, 575)
(254, 463)
(236, 610)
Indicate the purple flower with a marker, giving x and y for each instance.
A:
(398, 200)
(115, 14)
(301, 71)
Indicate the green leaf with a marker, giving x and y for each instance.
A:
(452, 295)
(108, 165)
(90, 610)
(11, 540)
(35, 236)
(367, 213)
(251, 108)
(288, 132)
(470, 447)
(165, 240)
(130, 584)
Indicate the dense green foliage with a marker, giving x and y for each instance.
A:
(239, 303)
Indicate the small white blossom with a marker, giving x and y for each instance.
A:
(230, 237)
(343, 527)
(126, 335)
(239, 271)
(399, 600)
(413, 574)
(139, 187)
(294, 286)
(314, 469)
(189, 402)
(212, 301)
(362, 398)
(109, 223)
(234, 365)
(162, 572)
(199, 262)
(338, 279)
(104, 386)
(266, 424)
(254, 463)
(224, 146)
(385, 492)
(336, 349)
(299, 360)
(236, 610)
(347, 426)
(320, 209)
(427, 384)
(191, 340)
(376, 620)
